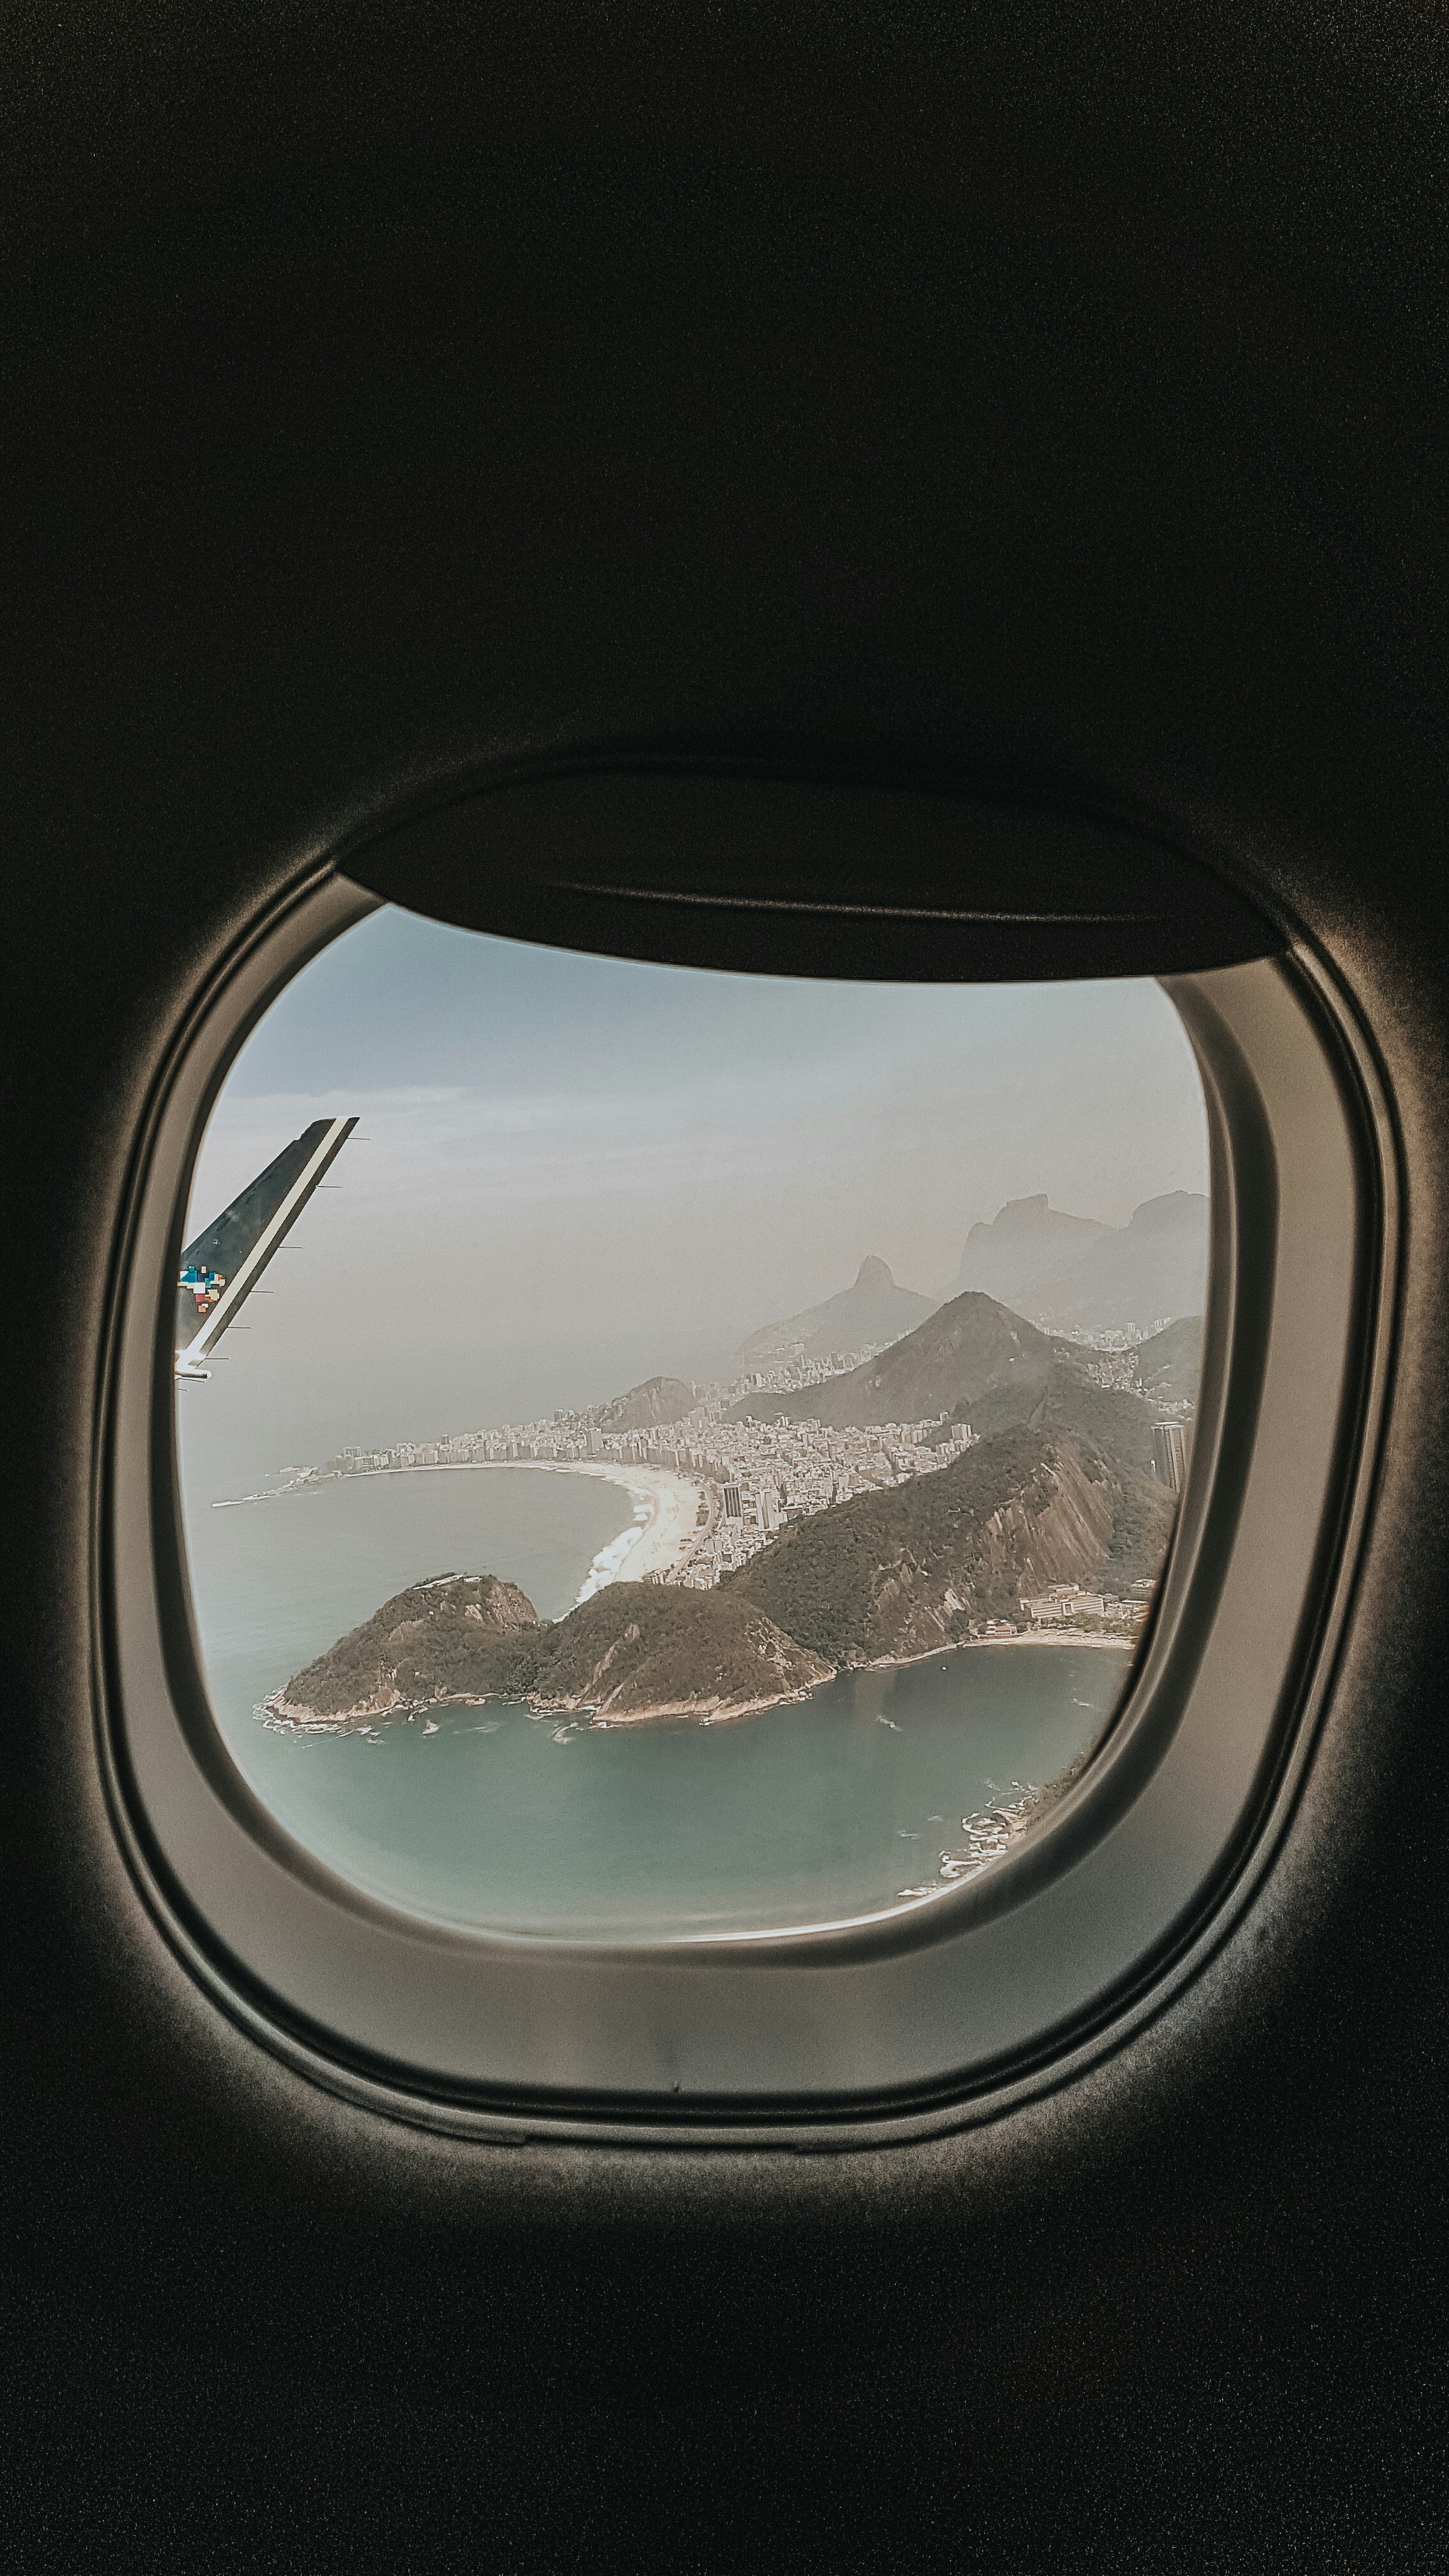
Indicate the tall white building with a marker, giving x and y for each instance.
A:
(1169, 1455)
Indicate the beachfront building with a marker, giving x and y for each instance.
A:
(1064, 1601)
(1169, 1455)
(751, 1477)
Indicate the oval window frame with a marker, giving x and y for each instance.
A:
(907, 2023)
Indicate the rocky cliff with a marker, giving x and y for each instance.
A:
(1028, 1241)
(451, 1637)
(634, 1650)
(902, 1573)
(1154, 1265)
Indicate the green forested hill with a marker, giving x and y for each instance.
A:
(660, 1647)
(1059, 1498)
(942, 1367)
(916, 1567)
(1169, 1363)
(658, 1401)
(452, 1634)
(633, 1647)
(1118, 1424)
(872, 1309)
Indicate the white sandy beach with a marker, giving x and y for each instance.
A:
(1053, 1636)
(666, 1513)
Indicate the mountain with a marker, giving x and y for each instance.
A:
(633, 1650)
(942, 1367)
(1065, 1401)
(661, 1650)
(872, 1310)
(449, 1635)
(1169, 1363)
(1027, 1242)
(1059, 1492)
(646, 1407)
(907, 1571)
(1153, 1266)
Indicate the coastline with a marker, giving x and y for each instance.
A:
(706, 1716)
(1053, 1636)
(355, 1721)
(666, 1513)
(666, 1508)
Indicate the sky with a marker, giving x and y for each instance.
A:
(582, 1171)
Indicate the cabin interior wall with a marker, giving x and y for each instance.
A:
(391, 403)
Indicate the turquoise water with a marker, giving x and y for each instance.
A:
(499, 1818)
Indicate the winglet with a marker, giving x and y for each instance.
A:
(223, 1265)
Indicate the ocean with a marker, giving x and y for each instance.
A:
(499, 1819)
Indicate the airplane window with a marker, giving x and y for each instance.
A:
(669, 1453)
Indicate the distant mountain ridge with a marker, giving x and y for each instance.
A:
(974, 1361)
(872, 1310)
(1024, 1242)
(1068, 1273)
(1153, 1267)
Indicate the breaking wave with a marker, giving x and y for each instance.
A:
(608, 1565)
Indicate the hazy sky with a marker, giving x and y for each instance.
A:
(582, 1170)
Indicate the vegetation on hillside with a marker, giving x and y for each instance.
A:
(631, 1648)
(648, 1407)
(1169, 1363)
(1059, 1491)
(925, 1565)
(658, 1647)
(1117, 1424)
(453, 1635)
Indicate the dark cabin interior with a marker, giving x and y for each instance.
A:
(395, 398)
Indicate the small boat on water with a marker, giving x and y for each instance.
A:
(431, 1727)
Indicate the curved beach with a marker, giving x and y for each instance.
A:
(666, 1514)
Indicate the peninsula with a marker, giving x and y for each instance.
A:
(880, 1579)
(975, 1481)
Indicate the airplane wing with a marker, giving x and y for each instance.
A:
(223, 1265)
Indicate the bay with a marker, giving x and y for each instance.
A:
(498, 1818)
